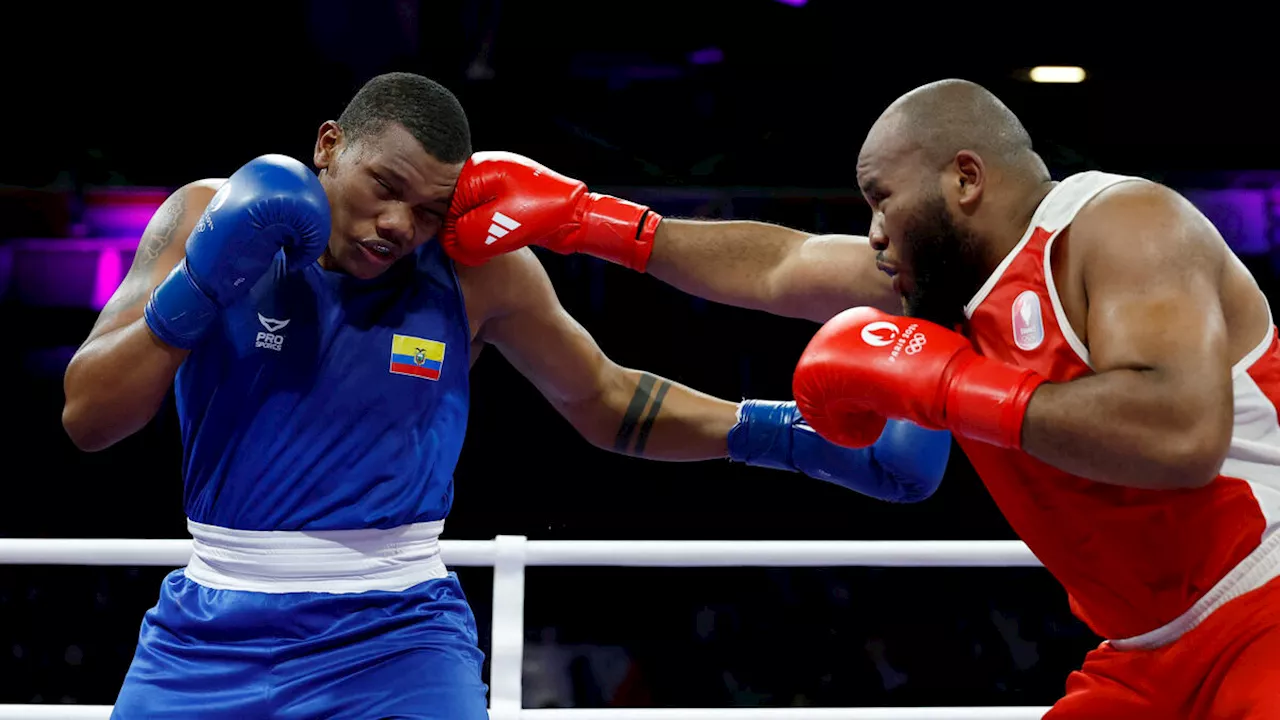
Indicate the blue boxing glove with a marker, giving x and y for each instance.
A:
(271, 203)
(904, 465)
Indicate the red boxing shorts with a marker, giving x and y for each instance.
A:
(1226, 667)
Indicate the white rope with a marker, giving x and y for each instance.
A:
(790, 713)
(510, 555)
(55, 712)
(781, 553)
(603, 553)
(102, 712)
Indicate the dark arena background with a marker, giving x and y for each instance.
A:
(748, 109)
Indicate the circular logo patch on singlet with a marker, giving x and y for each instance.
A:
(1028, 324)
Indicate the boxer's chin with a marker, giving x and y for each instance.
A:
(358, 262)
(940, 307)
(941, 291)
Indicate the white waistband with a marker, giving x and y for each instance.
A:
(1257, 569)
(324, 561)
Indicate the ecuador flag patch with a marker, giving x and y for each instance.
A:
(416, 356)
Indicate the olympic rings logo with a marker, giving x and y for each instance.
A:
(915, 344)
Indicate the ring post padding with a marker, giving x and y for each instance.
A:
(506, 666)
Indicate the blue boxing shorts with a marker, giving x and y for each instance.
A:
(349, 623)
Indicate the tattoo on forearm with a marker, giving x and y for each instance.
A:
(648, 387)
(651, 415)
(638, 401)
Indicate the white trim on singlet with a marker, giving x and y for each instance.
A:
(1055, 212)
(1257, 569)
(1254, 455)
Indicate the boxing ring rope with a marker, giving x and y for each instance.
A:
(509, 555)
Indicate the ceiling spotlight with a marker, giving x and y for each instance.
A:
(1057, 74)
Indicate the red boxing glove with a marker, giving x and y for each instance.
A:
(505, 201)
(864, 366)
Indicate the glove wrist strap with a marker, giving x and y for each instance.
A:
(762, 436)
(619, 231)
(987, 401)
(179, 312)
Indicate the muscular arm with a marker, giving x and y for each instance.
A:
(117, 379)
(615, 408)
(1158, 413)
(771, 268)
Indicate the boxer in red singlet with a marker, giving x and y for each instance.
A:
(1113, 373)
(1109, 366)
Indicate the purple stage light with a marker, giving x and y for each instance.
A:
(120, 212)
(63, 272)
(706, 56)
(1244, 216)
(82, 271)
(109, 276)
(794, 3)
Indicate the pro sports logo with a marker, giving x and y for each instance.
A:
(272, 339)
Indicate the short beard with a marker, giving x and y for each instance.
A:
(946, 265)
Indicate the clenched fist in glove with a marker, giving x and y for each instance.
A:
(864, 366)
(504, 202)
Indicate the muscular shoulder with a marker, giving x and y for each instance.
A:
(508, 283)
(1142, 220)
(194, 197)
(163, 243)
(202, 189)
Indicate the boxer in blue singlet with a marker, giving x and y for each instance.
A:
(319, 347)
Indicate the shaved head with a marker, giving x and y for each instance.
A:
(952, 180)
(940, 119)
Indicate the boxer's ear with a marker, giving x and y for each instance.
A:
(970, 179)
(328, 142)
